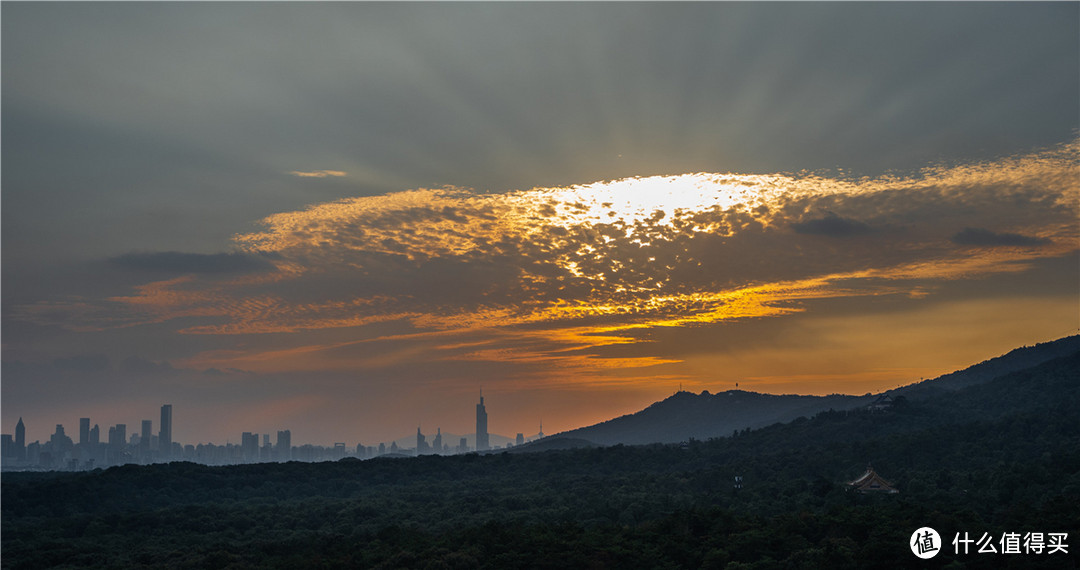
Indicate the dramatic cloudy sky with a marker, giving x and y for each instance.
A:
(347, 219)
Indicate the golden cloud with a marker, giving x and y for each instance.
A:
(550, 274)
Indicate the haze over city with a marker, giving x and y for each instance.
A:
(347, 220)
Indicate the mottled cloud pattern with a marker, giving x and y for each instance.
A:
(551, 274)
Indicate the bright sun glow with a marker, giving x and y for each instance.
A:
(557, 272)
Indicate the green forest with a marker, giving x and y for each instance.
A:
(998, 457)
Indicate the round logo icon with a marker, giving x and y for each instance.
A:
(925, 542)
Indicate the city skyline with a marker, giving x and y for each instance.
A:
(146, 447)
(349, 217)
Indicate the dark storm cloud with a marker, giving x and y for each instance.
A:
(832, 226)
(174, 262)
(985, 238)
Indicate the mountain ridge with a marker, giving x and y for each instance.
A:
(685, 415)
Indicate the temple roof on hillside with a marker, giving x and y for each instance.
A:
(872, 482)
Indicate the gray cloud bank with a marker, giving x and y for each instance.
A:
(175, 262)
(178, 122)
(985, 237)
(642, 250)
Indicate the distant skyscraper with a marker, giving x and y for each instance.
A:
(481, 426)
(117, 435)
(165, 435)
(95, 435)
(520, 440)
(84, 431)
(249, 444)
(20, 440)
(436, 444)
(284, 445)
(61, 445)
(117, 441)
(421, 443)
(144, 438)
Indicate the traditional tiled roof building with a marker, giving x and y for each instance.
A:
(871, 482)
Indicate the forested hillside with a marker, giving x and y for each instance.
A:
(1003, 456)
(686, 415)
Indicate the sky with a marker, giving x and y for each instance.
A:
(348, 219)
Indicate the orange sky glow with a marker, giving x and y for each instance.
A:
(576, 207)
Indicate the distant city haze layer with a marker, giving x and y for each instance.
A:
(348, 220)
(679, 418)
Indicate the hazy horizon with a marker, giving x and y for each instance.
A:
(346, 220)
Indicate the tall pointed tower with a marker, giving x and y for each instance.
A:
(421, 443)
(20, 440)
(481, 426)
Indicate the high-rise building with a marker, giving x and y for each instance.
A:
(84, 431)
(520, 440)
(266, 452)
(481, 426)
(144, 438)
(165, 433)
(421, 443)
(62, 447)
(284, 445)
(117, 441)
(117, 435)
(95, 435)
(58, 437)
(436, 443)
(20, 440)
(249, 445)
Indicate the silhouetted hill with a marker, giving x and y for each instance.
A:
(999, 456)
(1017, 359)
(701, 416)
(1048, 393)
